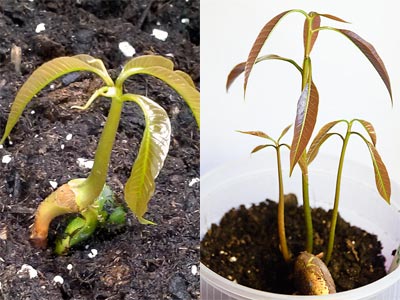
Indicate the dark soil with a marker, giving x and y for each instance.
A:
(137, 261)
(244, 247)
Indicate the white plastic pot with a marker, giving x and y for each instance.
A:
(254, 179)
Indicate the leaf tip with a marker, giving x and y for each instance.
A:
(144, 221)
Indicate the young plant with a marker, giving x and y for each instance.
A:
(79, 195)
(307, 104)
(276, 144)
(382, 179)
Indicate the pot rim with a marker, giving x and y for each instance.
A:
(234, 289)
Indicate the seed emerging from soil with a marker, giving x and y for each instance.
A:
(312, 277)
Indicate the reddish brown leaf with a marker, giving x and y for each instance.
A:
(239, 68)
(333, 18)
(370, 52)
(321, 137)
(382, 179)
(306, 117)
(284, 131)
(257, 133)
(315, 24)
(258, 148)
(370, 129)
(260, 40)
(234, 73)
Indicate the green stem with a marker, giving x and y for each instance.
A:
(307, 72)
(93, 185)
(337, 196)
(281, 210)
(307, 214)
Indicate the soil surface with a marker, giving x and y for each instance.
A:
(133, 262)
(244, 247)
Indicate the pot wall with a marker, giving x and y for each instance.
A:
(254, 179)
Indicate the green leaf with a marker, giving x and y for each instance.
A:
(306, 117)
(146, 61)
(370, 130)
(321, 137)
(152, 153)
(369, 51)
(316, 21)
(98, 64)
(42, 76)
(186, 77)
(382, 179)
(174, 79)
(259, 43)
(239, 68)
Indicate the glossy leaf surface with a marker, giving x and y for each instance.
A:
(306, 117)
(369, 51)
(42, 76)
(150, 159)
(173, 78)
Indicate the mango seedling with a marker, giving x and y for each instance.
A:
(276, 144)
(307, 104)
(79, 195)
(382, 179)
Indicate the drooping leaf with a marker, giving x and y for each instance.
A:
(258, 44)
(382, 179)
(41, 77)
(370, 130)
(320, 138)
(316, 22)
(186, 77)
(369, 51)
(284, 131)
(96, 63)
(146, 61)
(332, 17)
(150, 159)
(173, 79)
(306, 117)
(258, 148)
(239, 68)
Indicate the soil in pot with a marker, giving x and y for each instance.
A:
(244, 248)
(137, 261)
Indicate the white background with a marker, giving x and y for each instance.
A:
(348, 85)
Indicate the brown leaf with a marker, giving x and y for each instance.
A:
(239, 68)
(370, 129)
(382, 179)
(260, 40)
(284, 131)
(257, 133)
(315, 24)
(258, 148)
(370, 52)
(306, 117)
(333, 18)
(321, 137)
(234, 73)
